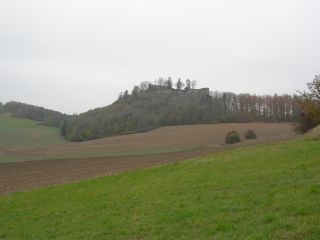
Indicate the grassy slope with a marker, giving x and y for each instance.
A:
(24, 132)
(262, 192)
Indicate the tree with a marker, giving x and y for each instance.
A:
(161, 81)
(64, 126)
(144, 85)
(136, 91)
(1, 107)
(309, 105)
(179, 84)
(169, 83)
(188, 85)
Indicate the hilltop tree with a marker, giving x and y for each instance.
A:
(144, 85)
(188, 85)
(136, 91)
(179, 84)
(169, 83)
(161, 82)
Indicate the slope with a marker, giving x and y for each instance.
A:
(262, 192)
(18, 132)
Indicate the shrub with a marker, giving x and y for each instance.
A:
(313, 134)
(250, 134)
(232, 137)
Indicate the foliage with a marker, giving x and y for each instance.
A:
(152, 105)
(250, 134)
(314, 133)
(310, 106)
(40, 114)
(64, 126)
(1, 107)
(232, 137)
(262, 192)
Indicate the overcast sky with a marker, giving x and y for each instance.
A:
(73, 55)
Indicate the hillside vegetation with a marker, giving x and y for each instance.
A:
(24, 132)
(44, 116)
(262, 192)
(309, 104)
(154, 105)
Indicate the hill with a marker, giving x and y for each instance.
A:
(39, 114)
(18, 132)
(262, 192)
(150, 106)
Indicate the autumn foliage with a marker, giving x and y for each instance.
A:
(310, 106)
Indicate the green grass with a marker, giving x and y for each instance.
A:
(261, 192)
(23, 132)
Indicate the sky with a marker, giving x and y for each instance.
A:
(75, 55)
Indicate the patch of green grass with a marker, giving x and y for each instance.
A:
(23, 132)
(261, 192)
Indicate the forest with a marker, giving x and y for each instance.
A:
(163, 103)
(43, 116)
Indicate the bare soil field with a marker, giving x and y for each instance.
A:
(161, 138)
(204, 139)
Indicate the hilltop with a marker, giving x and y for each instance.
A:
(153, 105)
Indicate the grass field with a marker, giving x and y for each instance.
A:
(17, 132)
(262, 192)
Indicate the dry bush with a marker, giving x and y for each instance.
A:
(250, 134)
(232, 137)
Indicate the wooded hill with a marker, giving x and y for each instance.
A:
(44, 116)
(154, 105)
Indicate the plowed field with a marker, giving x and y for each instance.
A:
(74, 161)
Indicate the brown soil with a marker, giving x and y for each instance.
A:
(21, 176)
(161, 138)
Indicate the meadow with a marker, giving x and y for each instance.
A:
(19, 132)
(269, 191)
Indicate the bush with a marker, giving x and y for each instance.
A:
(313, 134)
(250, 134)
(232, 137)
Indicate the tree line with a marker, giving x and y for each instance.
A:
(163, 103)
(39, 114)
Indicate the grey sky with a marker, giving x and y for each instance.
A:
(73, 55)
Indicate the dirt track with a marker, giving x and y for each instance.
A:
(33, 174)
